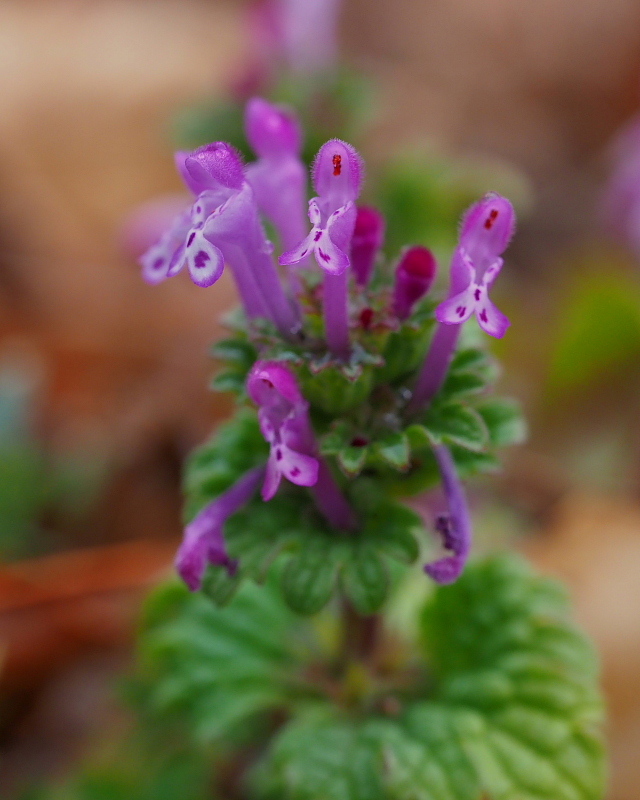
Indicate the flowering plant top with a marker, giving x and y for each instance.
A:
(356, 386)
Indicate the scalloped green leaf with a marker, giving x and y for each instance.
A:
(469, 359)
(455, 423)
(236, 350)
(504, 421)
(469, 462)
(352, 460)
(395, 450)
(321, 757)
(229, 381)
(514, 713)
(366, 580)
(309, 578)
(462, 384)
(217, 669)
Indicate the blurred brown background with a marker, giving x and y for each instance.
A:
(109, 375)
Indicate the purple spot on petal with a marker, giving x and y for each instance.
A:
(198, 210)
(317, 236)
(158, 263)
(304, 253)
(476, 294)
(200, 261)
(483, 315)
(444, 526)
(278, 455)
(323, 256)
(192, 236)
(295, 472)
(460, 310)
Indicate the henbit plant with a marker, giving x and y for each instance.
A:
(355, 389)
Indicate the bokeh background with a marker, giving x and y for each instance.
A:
(103, 380)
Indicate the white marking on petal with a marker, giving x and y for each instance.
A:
(459, 308)
(300, 252)
(204, 260)
(330, 257)
(315, 217)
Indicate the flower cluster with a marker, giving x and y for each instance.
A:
(363, 339)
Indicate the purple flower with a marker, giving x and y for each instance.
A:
(487, 228)
(203, 541)
(337, 178)
(284, 421)
(414, 277)
(621, 199)
(222, 225)
(454, 527)
(309, 34)
(368, 236)
(278, 178)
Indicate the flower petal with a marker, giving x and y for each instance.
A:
(491, 319)
(157, 261)
(297, 467)
(315, 216)
(492, 272)
(204, 260)
(328, 256)
(300, 252)
(272, 478)
(457, 309)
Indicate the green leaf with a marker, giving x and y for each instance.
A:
(236, 447)
(395, 450)
(514, 711)
(236, 350)
(517, 710)
(309, 578)
(366, 580)
(470, 463)
(469, 359)
(229, 381)
(504, 421)
(455, 423)
(319, 757)
(461, 384)
(217, 669)
(352, 460)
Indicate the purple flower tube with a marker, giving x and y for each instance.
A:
(414, 277)
(486, 230)
(284, 421)
(222, 225)
(368, 237)
(278, 178)
(454, 527)
(203, 541)
(337, 178)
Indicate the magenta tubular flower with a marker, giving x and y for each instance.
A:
(223, 225)
(203, 541)
(284, 421)
(368, 238)
(621, 198)
(337, 178)
(278, 178)
(486, 230)
(414, 277)
(308, 30)
(454, 527)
